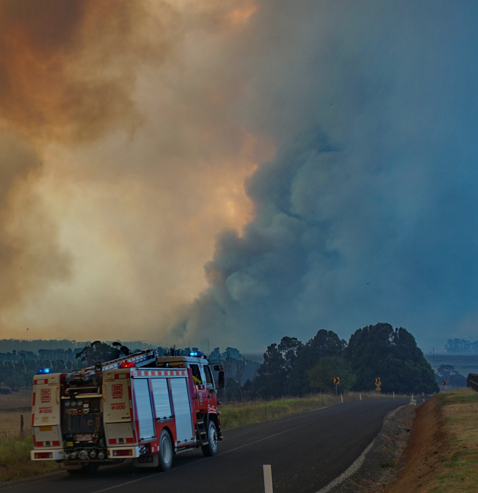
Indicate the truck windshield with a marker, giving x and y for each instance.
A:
(196, 374)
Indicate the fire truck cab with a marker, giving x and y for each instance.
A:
(143, 407)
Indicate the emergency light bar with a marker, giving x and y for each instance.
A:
(128, 364)
(196, 354)
(42, 371)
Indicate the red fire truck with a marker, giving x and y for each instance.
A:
(144, 407)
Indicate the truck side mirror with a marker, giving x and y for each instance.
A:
(218, 368)
(220, 380)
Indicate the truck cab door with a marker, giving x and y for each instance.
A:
(210, 389)
(199, 387)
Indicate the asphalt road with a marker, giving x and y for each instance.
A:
(306, 452)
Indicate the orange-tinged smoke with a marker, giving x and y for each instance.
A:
(242, 14)
(29, 252)
(58, 76)
(135, 161)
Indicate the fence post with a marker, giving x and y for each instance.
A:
(21, 424)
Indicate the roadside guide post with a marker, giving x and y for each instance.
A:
(336, 381)
(267, 478)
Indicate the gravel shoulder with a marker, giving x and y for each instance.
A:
(383, 460)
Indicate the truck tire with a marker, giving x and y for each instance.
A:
(211, 448)
(165, 451)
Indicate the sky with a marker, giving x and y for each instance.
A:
(185, 171)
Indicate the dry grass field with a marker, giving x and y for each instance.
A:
(12, 406)
(16, 400)
(10, 424)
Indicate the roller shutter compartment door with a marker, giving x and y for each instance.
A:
(144, 409)
(162, 404)
(182, 410)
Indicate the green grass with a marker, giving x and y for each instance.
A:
(243, 414)
(459, 472)
(15, 460)
(237, 415)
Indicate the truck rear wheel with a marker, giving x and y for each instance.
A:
(211, 448)
(165, 451)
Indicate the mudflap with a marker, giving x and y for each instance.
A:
(148, 460)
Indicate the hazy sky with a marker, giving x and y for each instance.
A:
(182, 170)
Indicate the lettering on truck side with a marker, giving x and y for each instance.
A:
(118, 406)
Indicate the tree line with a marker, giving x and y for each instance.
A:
(461, 346)
(294, 368)
(16, 375)
(53, 349)
(289, 367)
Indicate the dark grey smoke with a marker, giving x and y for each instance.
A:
(372, 218)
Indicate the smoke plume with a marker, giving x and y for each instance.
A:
(29, 253)
(367, 212)
(317, 158)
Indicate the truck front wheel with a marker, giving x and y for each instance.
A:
(210, 448)
(165, 451)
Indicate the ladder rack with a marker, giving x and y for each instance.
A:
(141, 358)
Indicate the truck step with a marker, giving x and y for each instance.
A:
(202, 433)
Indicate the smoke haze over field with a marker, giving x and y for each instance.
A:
(237, 171)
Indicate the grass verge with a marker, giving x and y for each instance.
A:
(243, 414)
(443, 452)
(459, 471)
(15, 460)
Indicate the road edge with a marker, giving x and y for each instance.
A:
(359, 462)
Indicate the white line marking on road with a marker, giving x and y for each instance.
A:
(267, 478)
